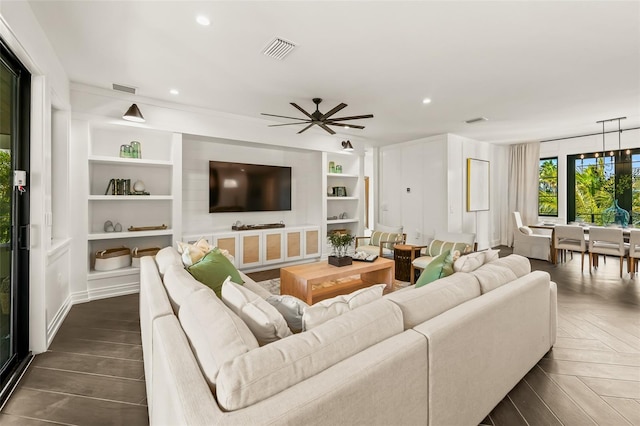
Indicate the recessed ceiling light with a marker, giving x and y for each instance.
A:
(174, 92)
(426, 101)
(203, 20)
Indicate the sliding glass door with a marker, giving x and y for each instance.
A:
(14, 218)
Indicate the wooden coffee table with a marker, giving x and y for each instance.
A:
(312, 282)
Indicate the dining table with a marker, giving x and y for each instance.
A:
(553, 257)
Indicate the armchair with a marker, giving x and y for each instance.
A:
(463, 242)
(381, 240)
(527, 242)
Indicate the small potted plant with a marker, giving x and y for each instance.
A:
(340, 243)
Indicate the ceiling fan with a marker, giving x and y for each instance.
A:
(319, 119)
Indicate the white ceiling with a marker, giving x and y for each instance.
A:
(536, 70)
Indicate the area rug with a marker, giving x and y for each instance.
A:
(273, 285)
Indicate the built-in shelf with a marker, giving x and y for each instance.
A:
(333, 221)
(341, 198)
(128, 234)
(95, 159)
(130, 197)
(97, 275)
(345, 175)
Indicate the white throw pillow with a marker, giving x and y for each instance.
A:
(264, 321)
(490, 255)
(291, 308)
(526, 230)
(469, 262)
(327, 309)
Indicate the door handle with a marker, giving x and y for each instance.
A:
(23, 237)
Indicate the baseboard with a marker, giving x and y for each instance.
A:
(58, 319)
(105, 292)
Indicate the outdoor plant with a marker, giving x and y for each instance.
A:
(340, 242)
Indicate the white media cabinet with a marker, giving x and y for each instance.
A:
(264, 248)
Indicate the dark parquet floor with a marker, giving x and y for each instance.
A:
(93, 372)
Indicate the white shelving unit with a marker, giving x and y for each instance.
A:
(343, 212)
(161, 171)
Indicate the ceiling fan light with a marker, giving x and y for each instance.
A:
(134, 114)
(346, 146)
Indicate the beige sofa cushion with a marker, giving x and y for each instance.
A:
(216, 334)
(520, 265)
(325, 310)
(493, 275)
(261, 373)
(179, 285)
(423, 303)
(167, 257)
(264, 321)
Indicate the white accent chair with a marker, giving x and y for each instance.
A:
(527, 242)
(606, 241)
(570, 237)
(634, 250)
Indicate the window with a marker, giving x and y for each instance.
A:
(597, 181)
(548, 187)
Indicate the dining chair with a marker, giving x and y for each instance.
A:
(606, 241)
(570, 237)
(634, 250)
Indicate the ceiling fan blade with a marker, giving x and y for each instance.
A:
(306, 128)
(324, 126)
(284, 116)
(333, 111)
(287, 124)
(351, 126)
(301, 110)
(353, 117)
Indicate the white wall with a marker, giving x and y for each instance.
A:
(435, 170)
(49, 263)
(306, 190)
(586, 144)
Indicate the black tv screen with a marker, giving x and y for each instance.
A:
(239, 187)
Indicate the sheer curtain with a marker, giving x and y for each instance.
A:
(524, 163)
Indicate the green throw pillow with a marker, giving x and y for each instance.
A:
(213, 269)
(439, 267)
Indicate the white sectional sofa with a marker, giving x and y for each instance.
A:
(442, 354)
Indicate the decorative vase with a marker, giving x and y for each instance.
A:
(616, 214)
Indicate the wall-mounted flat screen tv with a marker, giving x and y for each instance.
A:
(239, 187)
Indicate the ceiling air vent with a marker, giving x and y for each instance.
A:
(476, 120)
(278, 48)
(126, 89)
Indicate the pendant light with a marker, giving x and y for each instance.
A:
(133, 114)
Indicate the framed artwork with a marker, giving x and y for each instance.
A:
(478, 178)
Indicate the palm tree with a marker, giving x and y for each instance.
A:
(548, 188)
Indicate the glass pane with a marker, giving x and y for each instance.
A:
(7, 86)
(635, 189)
(548, 188)
(595, 188)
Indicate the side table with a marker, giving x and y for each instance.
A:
(403, 255)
